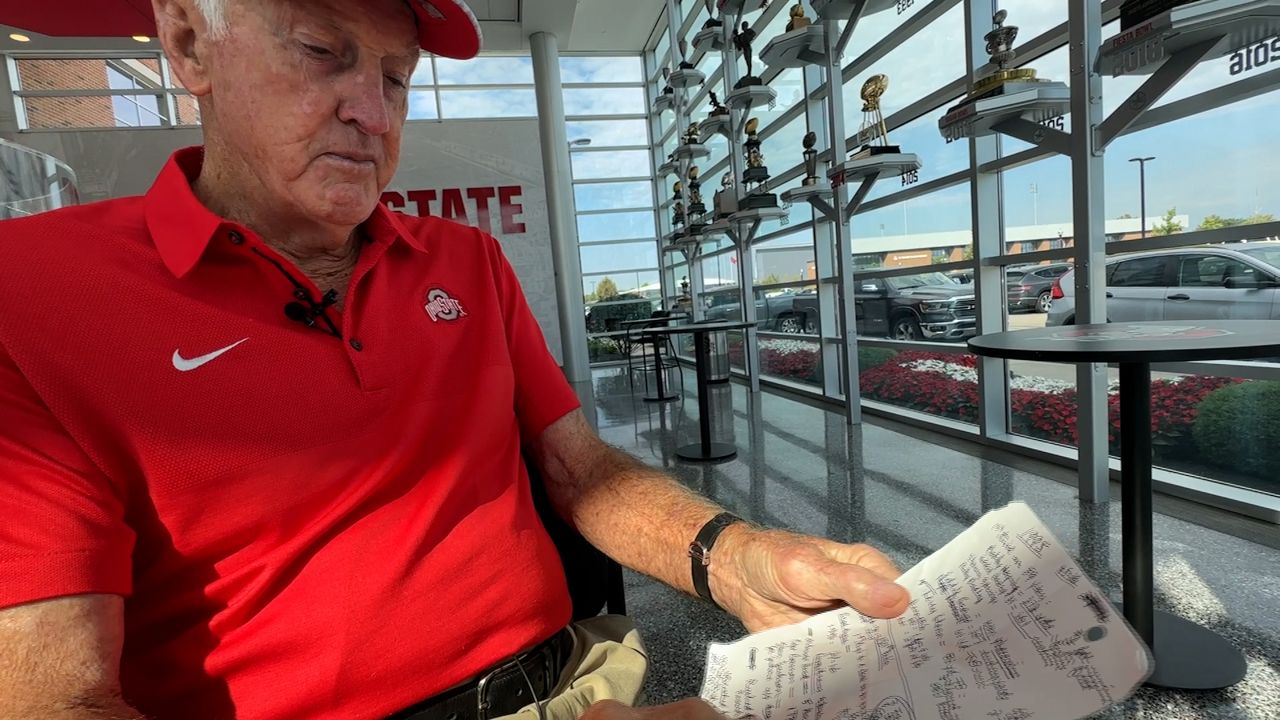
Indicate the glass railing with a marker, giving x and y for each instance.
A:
(32, 182)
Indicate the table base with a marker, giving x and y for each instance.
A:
(1191, 657)
(714, 451)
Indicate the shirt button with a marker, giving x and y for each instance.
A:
(235, 237)
(357, 345)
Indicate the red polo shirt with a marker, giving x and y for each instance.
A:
(304, 526)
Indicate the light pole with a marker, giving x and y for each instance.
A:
(1142, 190)
(1035, 204)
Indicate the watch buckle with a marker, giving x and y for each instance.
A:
(699, 553)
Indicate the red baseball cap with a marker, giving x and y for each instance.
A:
(445, 27)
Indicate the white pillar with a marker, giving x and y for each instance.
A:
(561, 214)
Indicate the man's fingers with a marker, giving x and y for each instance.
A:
(866, 556)
(819, 576)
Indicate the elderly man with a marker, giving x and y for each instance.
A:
(261, 439)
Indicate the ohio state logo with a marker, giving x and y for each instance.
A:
(440, 306)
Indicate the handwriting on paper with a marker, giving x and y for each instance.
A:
(1002, 625)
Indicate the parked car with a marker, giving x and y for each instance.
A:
(789, 312)
(925, 306)
(607, 315)
(1236, 281)
(961, 277)
(1030, 287)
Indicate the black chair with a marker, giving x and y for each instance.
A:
(636, 335)
(595, 581)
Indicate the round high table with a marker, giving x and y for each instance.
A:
(704, 450)
(1187, 656)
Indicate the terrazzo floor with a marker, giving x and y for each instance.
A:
(800, 467)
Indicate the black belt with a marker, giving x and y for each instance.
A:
(502, 689)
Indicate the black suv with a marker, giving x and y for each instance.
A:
(1030, 287)
(925, 306)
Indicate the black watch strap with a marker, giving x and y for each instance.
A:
(700, 551)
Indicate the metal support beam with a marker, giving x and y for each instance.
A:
(1154, 88)
(842, 245)
(824, 247)
(1036, 134)
(851, 207)
(988, 238)
(1088, 202)
(558, 178)
(746, 268)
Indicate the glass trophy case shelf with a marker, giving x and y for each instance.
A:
(845, 9)
(709, 39)
(714, 124)
(796, 48)
(804, 193)
(665, 101)
(1041, 102)
(731, 8)
(690, 152)
(686, 78)
(753, 214)
(1233, 24)
(751, 96)
(668, 168)
(885, 165)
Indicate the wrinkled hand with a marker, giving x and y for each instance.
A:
(683, 710)
(769, 578)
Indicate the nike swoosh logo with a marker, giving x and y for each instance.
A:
(182, 364)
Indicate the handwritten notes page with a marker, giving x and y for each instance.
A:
(1003, 625)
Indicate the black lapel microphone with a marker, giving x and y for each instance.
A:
(308, 310)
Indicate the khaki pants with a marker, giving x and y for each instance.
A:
(608, 663)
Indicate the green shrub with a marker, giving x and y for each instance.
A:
(869, 357)
(1238, 427)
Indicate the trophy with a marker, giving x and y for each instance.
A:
(725, 199)
(696, 208)
(684, 57)
(756, 174)
(1136, 12)
(873, 128)
(1003, 80)
(717, 108)
(742, 40)
(798, 19)
(691, 134)
(713, 22)
(677, 214)
(810, 159)
(666, 76)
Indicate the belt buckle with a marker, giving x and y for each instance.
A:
(482, 701)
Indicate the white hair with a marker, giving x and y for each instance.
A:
(215, 15)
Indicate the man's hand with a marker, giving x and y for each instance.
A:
(769, 578)
(683, 710)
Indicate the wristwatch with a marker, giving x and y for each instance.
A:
(700, 551)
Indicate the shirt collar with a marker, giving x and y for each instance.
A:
(182, 226)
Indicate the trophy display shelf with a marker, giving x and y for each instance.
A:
(796, 48)
(805, 193)
(665, 101)
(1036, 101)
(689, 152)
(759, 213)
(709, 39)
(714, 124)
(669, 167)
(686, 78)
(885, 165)
(750, 96)
(846, 9)
(730, 8)
(1235, 24)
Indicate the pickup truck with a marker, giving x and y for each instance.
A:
(788, 313)
(925, 306)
